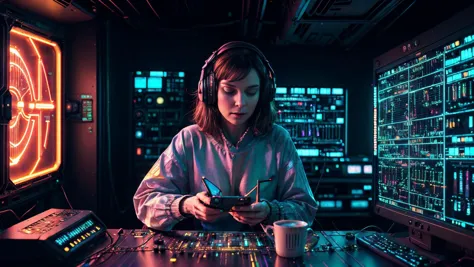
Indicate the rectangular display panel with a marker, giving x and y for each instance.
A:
(424, 139)
(315, 119)
(35, 86)
(345, 189)
(73, 238)
(158, 105)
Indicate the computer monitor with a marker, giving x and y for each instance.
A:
(424, 134)
(35, 85)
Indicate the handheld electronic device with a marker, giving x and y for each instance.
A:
(218, 201)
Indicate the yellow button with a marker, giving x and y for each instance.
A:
(66, 249)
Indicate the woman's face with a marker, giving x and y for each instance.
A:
(237, 100)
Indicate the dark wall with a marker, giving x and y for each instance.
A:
(81, 137)
(294, 66)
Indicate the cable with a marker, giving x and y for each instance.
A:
(320, 177)
(19, 218)
(367, 227)
(65, 196)
(10, 210)
(119, 233)
(90, 257)
(461, 260)
(141, 245)
(119, 249)
(390, 228)
(114, 249)
(328, 237)
(26, 212)
(337, 229)
(315, 191)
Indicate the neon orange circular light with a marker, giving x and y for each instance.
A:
(35, 86)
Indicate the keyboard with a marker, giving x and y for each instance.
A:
(387, 247)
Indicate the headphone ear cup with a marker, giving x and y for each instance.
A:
(271, 87)
(200, 91)
(272, 91)
(211, 89)
(205, 89)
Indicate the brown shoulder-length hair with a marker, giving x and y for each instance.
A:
(235, 65)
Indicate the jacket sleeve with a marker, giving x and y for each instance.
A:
(295, 200)
(158, 196)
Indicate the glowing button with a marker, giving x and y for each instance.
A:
(160, 100)
(66, 249)
(138, 134)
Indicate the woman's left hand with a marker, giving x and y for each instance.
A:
(252, 214)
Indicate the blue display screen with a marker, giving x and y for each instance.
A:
(424, 134)
(73, 233)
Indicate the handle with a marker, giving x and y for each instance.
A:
(310, 235)
(312, 239)
(269, 231)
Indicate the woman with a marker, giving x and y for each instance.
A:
(234, 143)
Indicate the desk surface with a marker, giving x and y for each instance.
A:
(136, 248)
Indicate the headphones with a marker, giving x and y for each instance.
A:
(207, 87)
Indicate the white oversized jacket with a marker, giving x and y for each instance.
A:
(235, 170)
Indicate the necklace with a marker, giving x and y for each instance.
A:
(229, 144)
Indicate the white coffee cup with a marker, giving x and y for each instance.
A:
(289, 236)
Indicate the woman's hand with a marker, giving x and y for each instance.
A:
(195, 206)
(252, 214)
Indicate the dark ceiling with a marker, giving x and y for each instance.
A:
(326, 23)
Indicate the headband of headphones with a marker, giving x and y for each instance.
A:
(207, 87)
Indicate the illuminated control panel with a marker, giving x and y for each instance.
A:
(35, 86)
(49, 222)
(76, 236)
(158, 105)
(80, 108)
(425, 124)
(316, 120)
(217, 242)
(55, 233)
(345, 188)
